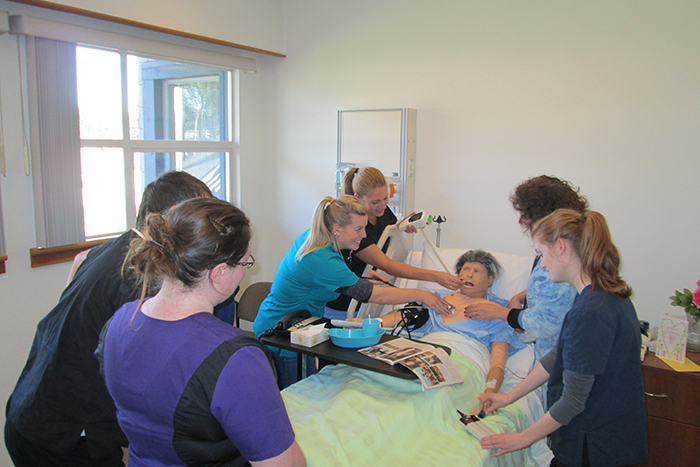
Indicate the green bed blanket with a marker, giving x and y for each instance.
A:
(346, 416)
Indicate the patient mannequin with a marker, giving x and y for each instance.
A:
(478, 269)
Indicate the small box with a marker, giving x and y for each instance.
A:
(309, 336)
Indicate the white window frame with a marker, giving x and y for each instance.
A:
(151, 48)
(4, 27)
(130, 146)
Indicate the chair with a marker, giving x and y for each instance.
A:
(250, 301)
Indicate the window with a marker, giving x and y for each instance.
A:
(108, 112)
(140, 117)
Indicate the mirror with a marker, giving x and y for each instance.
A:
(381, 138)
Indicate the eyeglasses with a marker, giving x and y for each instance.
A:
(247, 264)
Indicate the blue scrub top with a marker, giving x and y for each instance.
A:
(600, 336)
(306, 284)
(547, 304)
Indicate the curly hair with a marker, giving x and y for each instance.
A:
(540, 196)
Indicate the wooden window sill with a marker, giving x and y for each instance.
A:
(60, 254)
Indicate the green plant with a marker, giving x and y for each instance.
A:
(685, 300)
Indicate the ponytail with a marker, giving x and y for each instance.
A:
(347, 181)
(361, 181)
(590, 238)
(329, 211)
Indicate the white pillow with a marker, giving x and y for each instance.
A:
(513, 280)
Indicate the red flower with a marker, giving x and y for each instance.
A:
(696, 296)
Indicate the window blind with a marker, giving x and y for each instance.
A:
(55, 141)
(4, 27)
(3, 251)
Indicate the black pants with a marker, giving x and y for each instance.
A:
(556, 463)
(26, 454)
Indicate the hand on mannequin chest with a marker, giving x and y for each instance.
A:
(459, 301)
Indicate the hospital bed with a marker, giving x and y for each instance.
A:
(346, 416)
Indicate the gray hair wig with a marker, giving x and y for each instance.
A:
(493, 267)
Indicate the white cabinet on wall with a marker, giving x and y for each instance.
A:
(385, 139)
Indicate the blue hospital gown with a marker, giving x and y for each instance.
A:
(547, 305)
(484, 331)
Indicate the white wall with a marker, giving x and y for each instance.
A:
(253, 23)
(605, 95)
(26, 294)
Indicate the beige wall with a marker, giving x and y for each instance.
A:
(26, 294)
(253, 23)
(603, 95)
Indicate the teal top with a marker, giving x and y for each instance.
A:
(306, 284)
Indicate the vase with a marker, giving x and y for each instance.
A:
(693, 334)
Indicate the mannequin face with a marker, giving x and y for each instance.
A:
(350, 236)
(376, 201)
(476, 280)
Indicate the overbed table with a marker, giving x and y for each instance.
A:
(332, 353)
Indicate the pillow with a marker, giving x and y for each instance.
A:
(514, 277)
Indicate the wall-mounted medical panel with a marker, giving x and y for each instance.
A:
(385, 139)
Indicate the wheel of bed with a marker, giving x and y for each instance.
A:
(347, 416)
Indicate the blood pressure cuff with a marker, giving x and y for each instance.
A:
(415, 315)
(360, 291)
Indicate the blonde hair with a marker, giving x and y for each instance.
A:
(362, 180)
(590, 238)
(330, 211)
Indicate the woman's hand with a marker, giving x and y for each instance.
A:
(409, 228)
(448, 280)
(436, 303)
(505, 442)
(516, 441)
(490, 401)
(486, 310)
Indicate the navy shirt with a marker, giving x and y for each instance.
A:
(60, 392)
(600, 336)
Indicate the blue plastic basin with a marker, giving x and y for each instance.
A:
(353, 338)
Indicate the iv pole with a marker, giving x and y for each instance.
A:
(432, 246)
